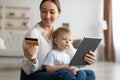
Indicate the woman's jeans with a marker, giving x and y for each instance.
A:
(61, 74)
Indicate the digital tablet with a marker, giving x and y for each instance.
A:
(87, 44)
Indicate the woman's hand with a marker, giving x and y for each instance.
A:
(30, 53)
(90, 58)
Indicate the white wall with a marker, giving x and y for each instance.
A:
(82, 15)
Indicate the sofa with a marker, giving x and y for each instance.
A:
(11, 53)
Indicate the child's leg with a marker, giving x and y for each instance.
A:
(81, 75)
(64, 74)
(90, 75)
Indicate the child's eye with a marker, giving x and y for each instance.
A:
(64, 39)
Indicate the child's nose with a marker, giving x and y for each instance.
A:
(67, 41)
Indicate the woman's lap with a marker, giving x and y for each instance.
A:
(39, 75)
(43, 76)
(61, 74)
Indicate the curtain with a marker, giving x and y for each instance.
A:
(116, 28)
(109, 48)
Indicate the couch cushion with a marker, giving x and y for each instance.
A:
(76, 43)
(11, 52)
(2, 44)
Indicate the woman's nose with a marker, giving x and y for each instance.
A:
(48, 15)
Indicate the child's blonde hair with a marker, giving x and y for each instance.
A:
(58, 31)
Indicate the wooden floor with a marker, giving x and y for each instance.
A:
(103, 71)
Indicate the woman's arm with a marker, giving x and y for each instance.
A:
(30, 53)
(30, 63)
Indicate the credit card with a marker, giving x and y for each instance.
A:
(31, 41)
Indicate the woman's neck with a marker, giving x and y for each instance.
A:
(46, 27)
(48, 30)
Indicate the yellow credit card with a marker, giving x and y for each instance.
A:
(31, 41)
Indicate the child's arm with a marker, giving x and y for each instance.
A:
(71, 50)
(58, 67)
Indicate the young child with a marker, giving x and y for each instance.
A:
(59, 57)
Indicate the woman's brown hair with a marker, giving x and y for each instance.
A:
(56, 2)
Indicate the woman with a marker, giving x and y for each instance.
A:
(32, 68)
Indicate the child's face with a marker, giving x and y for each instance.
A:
(63, 41)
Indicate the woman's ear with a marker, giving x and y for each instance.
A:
(59, 13)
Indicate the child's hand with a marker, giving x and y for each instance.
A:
(69, 68)
(73, 71)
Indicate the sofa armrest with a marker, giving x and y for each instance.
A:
(76, 43)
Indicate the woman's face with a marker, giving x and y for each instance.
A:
(49, 13)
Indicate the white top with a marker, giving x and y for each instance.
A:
(56, 57)
(43, 49)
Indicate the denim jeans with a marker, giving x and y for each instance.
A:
(85, 75)
(61, 74)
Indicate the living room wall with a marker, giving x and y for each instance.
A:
(82, 16)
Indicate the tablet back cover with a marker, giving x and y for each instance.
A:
(87, 44)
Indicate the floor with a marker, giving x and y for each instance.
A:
(103, 71)
(106, 71)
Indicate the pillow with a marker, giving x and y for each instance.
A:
(2, 44)
(76, 43)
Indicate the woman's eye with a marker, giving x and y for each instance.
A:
(52, 12)
(43, 11)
